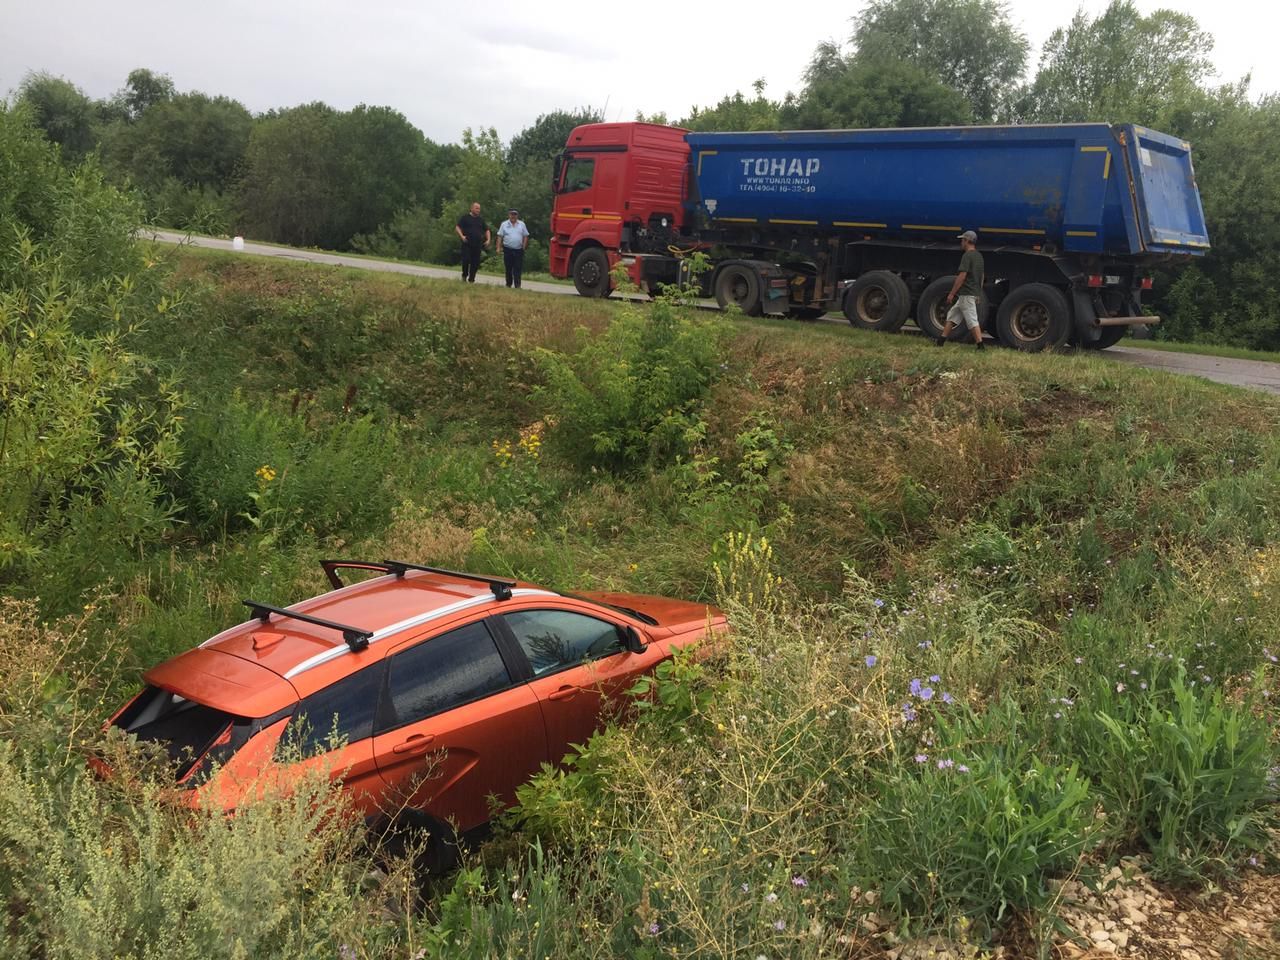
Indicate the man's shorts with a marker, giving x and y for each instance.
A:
(966, 308)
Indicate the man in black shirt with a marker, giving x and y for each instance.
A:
(474, 234)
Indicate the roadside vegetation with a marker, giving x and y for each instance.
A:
(1000, 620)
(366, 180)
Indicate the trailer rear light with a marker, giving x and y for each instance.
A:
(1147, 283)
(1095, 279)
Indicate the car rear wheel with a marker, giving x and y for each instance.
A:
(432, 844)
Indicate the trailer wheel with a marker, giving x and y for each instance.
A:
(932, 308)
(1034, 316)
(1109, 338)
(739, 285)
(878, 300)
(591, 272)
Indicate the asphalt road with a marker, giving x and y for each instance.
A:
(1252, 374)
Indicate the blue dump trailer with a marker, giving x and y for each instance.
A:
(1071, 219)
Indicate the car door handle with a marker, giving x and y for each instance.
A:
(418, 743)
(564, 693)
(586, 209)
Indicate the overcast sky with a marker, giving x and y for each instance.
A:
(449, 65)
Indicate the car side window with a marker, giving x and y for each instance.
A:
(441, 673)
(341, 713)
(555, 639)
(578, 174)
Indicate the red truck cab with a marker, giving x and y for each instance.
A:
(619, 188)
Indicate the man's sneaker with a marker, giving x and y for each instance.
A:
(980, 345)
(939, 341)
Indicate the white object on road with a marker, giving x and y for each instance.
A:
(237, 243)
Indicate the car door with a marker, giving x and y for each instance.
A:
(331, 730)
(455, 726)
(580, 668)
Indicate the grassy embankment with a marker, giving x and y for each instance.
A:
(1001, 620)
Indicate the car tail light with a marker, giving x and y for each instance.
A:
(1095, 279)
(1147, 283)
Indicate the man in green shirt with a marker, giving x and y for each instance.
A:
(965, 292)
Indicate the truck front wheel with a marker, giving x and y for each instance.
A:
(1034, 316)
(739, 285)
(591, 272)
(878, 300)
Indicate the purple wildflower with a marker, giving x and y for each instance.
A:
(654, 929)
(946, 764)
(924, 644)
(922, 758)
(935, 679)
(878, 602)
(961, 768)
(908, 712)
(798, 881)
(926, 693)
(871, 660)
(948, 698)
(915, 686)
(779, 925)
(346, 952)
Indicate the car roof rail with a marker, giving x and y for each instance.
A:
(332, 566)
(500, 586)
(357, 639)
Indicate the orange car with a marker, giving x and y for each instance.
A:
(428, 691)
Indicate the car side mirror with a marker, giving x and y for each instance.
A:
(632, 640)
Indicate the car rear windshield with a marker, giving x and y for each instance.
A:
(186, 729)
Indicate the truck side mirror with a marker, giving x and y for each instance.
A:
(555, 176)
(632, 640)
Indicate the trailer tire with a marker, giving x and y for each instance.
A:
(1034, 316)
(739, 285)
(591, 272)
(1109, 338)
(878, 300)
(932, 307)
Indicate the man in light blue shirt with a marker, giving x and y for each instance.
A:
(514, 237)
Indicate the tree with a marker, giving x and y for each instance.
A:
(853, 93)
(194, 138)
(144, 89)
(548, 134)
(62, 110)
(967, 45)
(315, 176)
(293, 177)
(1121, 66)
(736, 112)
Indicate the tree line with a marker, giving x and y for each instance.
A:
(366, 179)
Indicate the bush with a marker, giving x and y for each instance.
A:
(89, 426)
(630, 396)
(1181, 770)
(974, 826)
(268, 470)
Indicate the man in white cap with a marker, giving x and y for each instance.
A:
(965, 292)
(514, 236)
